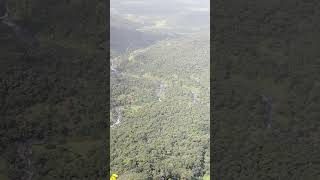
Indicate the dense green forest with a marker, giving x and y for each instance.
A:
(160, 110)
(52, 90)
(266, 90)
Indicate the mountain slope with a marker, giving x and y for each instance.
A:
(163, 92)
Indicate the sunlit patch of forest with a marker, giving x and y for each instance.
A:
(163, 92)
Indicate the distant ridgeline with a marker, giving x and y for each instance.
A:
(129, 35)
(122, 38)
(163, 92)
(52, 91)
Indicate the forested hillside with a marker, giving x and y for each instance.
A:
(124, 38)
(160, 110)
(266, 90)
(52, 90)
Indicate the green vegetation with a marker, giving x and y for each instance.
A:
(52, 91)
(3, 169)
(164, 129)
(266, 124)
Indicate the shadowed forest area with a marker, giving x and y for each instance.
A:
(265, 90)
(52, 89)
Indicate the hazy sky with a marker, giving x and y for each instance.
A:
(153, 7)
(164, 14)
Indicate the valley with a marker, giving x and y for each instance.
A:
(163, 128)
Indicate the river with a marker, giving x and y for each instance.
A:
(161, 89)
(118, 110)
